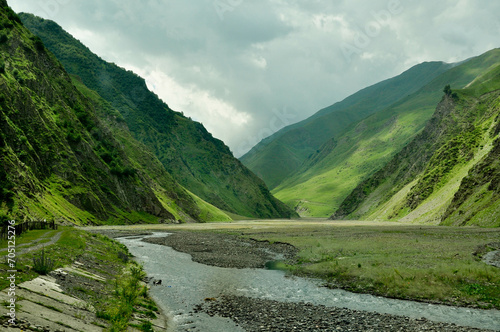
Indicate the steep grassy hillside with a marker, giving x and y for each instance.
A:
(58, 151)
(282, 154)
(198, 161)
(327, 178)
(449, 172)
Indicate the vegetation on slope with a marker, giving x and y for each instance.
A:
(196, 160)
(68, 154)
(453, 161)
(326, 179)
(116, 298)
(282, 154)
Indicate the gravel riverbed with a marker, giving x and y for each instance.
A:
(224, 250)
(267, 315)
(252, 314)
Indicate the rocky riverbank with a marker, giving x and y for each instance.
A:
(267, 315)
(252, 314)
(224, 250)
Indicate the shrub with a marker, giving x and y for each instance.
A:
(146, 326)
(122, 172)
(12, 15)
(38, 43)
(73, 136)
(123, 256)
(42, 264)
(4, 220)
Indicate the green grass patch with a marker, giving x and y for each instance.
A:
(433, 264)
(30, 236)
(121, 295)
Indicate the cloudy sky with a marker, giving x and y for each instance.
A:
(245, 68)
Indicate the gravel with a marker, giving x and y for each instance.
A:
(252, 314)
(229, 251)
(267, 315)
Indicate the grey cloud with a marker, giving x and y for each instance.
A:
(266, 55)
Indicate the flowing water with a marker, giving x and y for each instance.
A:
(186, 283)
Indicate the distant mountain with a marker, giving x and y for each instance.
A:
(328, 176)
(282, 154)
(450, 172)
(196, 160)
(66, 156)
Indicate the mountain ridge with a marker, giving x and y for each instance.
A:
(449, 173)
(53, 143)
(366, 146)
(202, 164)
(295, 143)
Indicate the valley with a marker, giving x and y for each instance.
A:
(379, 212)
(361, 257)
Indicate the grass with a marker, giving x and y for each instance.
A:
(433, 264)
(129, 296)
(43, 264)
(322, 188)
(425, 263)
(30, 236)
(122, 294)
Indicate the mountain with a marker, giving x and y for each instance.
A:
(450, 172)
(328, 176)
(277, 157)
(60, 157)
(196, 160)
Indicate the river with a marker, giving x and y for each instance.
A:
(186, 284)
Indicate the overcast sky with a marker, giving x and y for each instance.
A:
(245, 68)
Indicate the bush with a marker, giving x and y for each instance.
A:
(123, 256)
(73, 136)
(3, 38)
(42, 264)
(38, 43)
(122, 172)
(12, 15)
(4, 220)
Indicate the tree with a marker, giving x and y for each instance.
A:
(447, 90)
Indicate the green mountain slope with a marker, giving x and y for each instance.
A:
(58, 151)
(196, 160)
(282, 154)
(326, 179)
(449, 173)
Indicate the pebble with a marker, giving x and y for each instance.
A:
(268, 315)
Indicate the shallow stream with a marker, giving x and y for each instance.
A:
(186, 284)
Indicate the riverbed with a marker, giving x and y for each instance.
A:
(200, 297)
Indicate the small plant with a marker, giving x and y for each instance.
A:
(42, 264)
(3, 38)
(123, 256)
(137, 272)
(146, 326)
